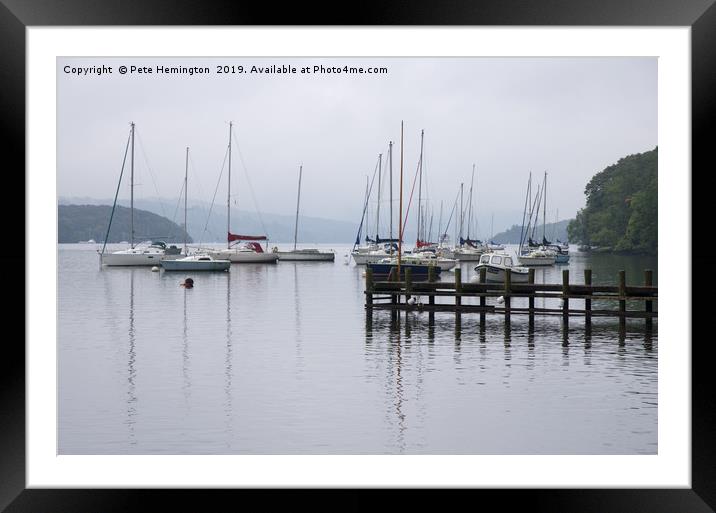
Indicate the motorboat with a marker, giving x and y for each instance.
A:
(198, 262)
(496, 263)
(305, 255)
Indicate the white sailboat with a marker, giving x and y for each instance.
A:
(540, 255)
(146, 253)
(197, 262)
(468, 250)
(305, 254)
(245, 248)
(376, 250)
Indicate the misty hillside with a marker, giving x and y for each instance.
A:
(554, 232)
(84, 222)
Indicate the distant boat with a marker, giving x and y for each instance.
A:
(309, 254)
(147, 253)
(495, 265)
(249, 251)
(198, 262)
(91, 241)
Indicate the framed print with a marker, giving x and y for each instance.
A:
(345, 192)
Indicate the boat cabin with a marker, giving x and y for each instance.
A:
(496, 259)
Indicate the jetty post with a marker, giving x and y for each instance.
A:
(531, 298)
(588, 300)
(431, 297)
(483, 299)
(458, 292)
(649, 305)
(565, 296)
(369, 290)
(622, 300)
(508, 291)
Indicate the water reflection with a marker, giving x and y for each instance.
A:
(131, 366)
(228, 406)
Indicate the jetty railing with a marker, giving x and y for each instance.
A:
(395, 296)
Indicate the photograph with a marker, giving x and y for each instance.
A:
(357, 255)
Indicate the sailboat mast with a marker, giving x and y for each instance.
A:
(228, 194)
(462, 211)
(469, 210)
(544, 214)
(390, 153)
(298, 201)
(186, 194)
(400, 212)
(420, 181)
(440, 224)
(377, 215)
(131, 194)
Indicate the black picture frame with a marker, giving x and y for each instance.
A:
(700, 15)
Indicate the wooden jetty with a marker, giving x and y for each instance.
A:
(395, 296)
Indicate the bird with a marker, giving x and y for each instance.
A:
(501, 299)
(411, 301)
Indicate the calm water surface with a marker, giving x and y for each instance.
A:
(281, 359)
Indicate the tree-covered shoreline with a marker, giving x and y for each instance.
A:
(621, 214)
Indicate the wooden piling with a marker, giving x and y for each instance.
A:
(432, 278)
(508, 290)
(648, 305)
(369, 289)
(483, 299)
(531, 299)
(622, 300)
(565, 295)
(588, 301)
(408, 283)
(458, 296)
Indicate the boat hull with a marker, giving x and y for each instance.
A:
(298, 256)
(134, 259)
(467, 257)
(245, 257)
(536, 261)
(561, 259)
(495, 274)
(368, 258)
(196, 265)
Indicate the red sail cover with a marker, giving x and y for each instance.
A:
(255, 246)
(233, 237)
(422, 244)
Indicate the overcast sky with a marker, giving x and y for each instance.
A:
(571, 117)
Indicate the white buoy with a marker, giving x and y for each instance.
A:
(411, 301)
(500, 299)
(155, 269)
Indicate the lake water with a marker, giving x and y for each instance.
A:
(280, 359)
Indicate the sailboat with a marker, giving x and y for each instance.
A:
(250, 251)
(418, 267)
(535, 255)
(492, 245)
(146, 253)
(373, 252)
(468, 250)
(306, 254)
(197, 262)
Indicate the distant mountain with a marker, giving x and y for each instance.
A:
(210, 226)
(84, 222)
(553, 232)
